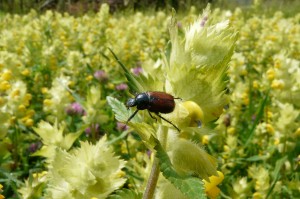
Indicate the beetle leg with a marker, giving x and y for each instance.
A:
(168, 121)
(151, 115)
(135, 112)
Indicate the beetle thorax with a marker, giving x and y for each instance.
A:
(142, 101)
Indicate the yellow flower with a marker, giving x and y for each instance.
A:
(276, 141)
(1, 196)
(15, 93)
(4, 85)
(213, 193)
(89, 78)
(231, 130)
(255, 84)
(33, 186)
(226, 148)
(110, 86)
(29, 122)
(245, 98)
(271, 74)
(2, 101)
(121, 174)
(269, 114)
(39, 175)
(277, 84)
(195, 113)
(71, 83)
(270, 129)
(48, 102)
(244, 72)
(6, 75)
(211, 188)
(205, 139)
(21, 108)
(25, 72)
(277, 63)
(44, 90)
(257, 195)
(12, 120)
(28, 96)
(297, 132)
(30, 113)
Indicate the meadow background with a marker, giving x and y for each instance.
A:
(56, 72)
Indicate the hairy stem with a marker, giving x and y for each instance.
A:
(153, 178)
(152, 181)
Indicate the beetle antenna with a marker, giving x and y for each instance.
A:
(168, 121)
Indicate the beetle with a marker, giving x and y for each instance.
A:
(154, 101)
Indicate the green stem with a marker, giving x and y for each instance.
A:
(152, 181)
(93, 132)
(153, 178)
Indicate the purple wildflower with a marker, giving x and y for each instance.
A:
(101, 76)
(179, 24)
(149, 152)
(93, 127)
(121, 87)
(205, 18)
(137, 70)
(75, 109)
(33, 147)
(121, 126)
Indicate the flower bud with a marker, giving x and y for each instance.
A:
(189, 158)
(195, 113)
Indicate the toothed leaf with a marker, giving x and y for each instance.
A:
(190, 186)
(118, 108)
(125, 194)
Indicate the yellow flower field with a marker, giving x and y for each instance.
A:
(62, 112)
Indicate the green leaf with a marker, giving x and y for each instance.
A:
(257, 158)
(258, 118)
(71, 137)
(146, 133)
(144, 130)
(74, 94)
(120, 110)
(125, 194)
(133, 83)
(190, 186)
(141, 83)
(276, 174)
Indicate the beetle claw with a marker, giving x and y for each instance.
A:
(199, 123)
